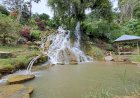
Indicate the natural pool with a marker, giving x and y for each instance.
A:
(86, 80)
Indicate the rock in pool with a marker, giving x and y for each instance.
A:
(15, 79)
(15, 91)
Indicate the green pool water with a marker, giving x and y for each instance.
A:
(87, 80)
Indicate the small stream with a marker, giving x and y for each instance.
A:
(85, 80)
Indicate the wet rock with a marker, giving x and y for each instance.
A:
(109, 58)
(60, 64)
(15, 91)
(73, 62)
(47, 44)
(5, 54)
(19, 79)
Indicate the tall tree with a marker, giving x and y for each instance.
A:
(15, 5)
(127, 9)
(68, 10)
(22, 8)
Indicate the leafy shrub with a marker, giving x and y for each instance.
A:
(25, 32)
(8, 29)
(40, 24)
(3, 10)
(36, 34)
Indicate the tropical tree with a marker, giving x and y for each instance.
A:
(71, 11)
(128, 9)
(22, 8)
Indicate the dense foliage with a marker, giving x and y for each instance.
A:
(8, 29)
(101, 23)
(68, 12)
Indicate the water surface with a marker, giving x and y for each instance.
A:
(80, 81)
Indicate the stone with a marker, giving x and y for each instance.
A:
(22, 40)
(15, 91)
(108, 58)
(47, 44)
(19, 79)
(29, 43)
(7, 70)
(5, 54)
(73, 62)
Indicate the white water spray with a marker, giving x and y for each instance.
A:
(61, 51)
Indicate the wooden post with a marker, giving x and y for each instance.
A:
(138, 47)
(118, 49)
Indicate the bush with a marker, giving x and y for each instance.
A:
(36, 34)
(25, 32)
(8, 29)
(3, 10)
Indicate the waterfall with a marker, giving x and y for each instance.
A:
(61, 51)
(42, 46)
(31, 64)
(81, 57)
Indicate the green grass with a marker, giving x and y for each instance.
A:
(22, 56)
(135, 58)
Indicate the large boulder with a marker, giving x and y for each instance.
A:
(109, 58)
(19, 79)
(15, 91)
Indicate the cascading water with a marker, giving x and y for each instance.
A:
(31, 64)
(81, 57)
(61, 51)
(42, 46)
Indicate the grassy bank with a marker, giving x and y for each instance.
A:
(21, 57)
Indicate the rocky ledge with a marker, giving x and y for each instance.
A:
(15, 91)
(19, 79)
(5, 54)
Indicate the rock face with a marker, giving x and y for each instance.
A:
(19, 79)
(5, 54)
(15, 91)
